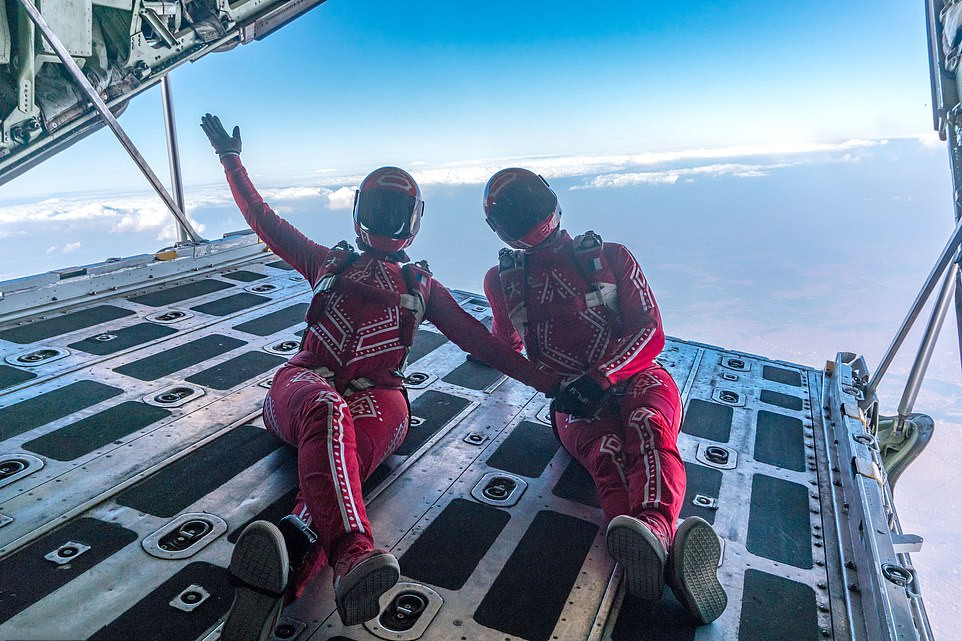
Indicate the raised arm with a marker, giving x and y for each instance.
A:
(473, 337)
(299, 251)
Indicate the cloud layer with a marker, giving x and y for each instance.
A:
(144, 212)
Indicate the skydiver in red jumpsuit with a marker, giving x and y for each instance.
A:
(583, 309)
(340, 401)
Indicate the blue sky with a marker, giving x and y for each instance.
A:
(771, 164)
(358, 84)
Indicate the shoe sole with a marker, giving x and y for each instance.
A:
(259, 561)
(642, 558)
(694, 575)
(358, 595)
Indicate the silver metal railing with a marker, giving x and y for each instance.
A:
(70, 65)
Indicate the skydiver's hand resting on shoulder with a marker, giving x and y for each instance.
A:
(219, 139)
(580, 397)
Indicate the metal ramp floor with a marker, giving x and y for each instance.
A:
(132, 453)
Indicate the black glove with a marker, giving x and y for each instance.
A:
(219, 140)
(580, 398)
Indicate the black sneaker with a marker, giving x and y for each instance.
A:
(642, 555)
(259, 572)
(692, 570)
(360, 578)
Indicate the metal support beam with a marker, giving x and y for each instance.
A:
(927, 346)
(947, 256)
(108, 117)
(173, 153)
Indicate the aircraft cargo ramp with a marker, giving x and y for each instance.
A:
(132, 454)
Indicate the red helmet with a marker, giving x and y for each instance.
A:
(388, 209)
(521, 208)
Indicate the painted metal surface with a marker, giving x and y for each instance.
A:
(448, 467)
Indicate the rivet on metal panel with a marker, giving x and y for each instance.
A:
(897, 574)
(417, 421)
(284, 347)
(703, 501)
(104, 338)
(729, 396)
(475, 439)
(500, 489)
(410, 609)
(10, 467)
(419, 380)
(67, 552)
(288, 629)
(736, 364)
(38, 356)
(185, 536)
(170, 316)
(188, 600)
(716, 454)
(728, 376)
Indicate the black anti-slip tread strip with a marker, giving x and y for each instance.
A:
(177, 358)
(123, 338)
(783, 376)
(794, 602)
(62, 324)
(244, 276)
(425, 342)
(380, 473)
(186, 480)
(450, 548)
(280, 264)
(700, 480)
(664, 620)
(231, 304)
(154, 618)
(778, 523)
(46, 408)
(472, 376)
(93, 432)
(273, 513)
(780, 441)
(164, 297)
(28, 577)
(576, 485)
(705, 419)
(528, 596)
(781, 400)
(236, 370)
(527, 450)
(10, 376)
(437, 409)
(275, 321)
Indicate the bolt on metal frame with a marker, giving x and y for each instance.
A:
(73, 69)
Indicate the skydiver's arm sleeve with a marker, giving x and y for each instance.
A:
(642, 337)
(299, 251)
(470, 335)
(501, 325)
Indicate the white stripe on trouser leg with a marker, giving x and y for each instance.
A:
(640, 417)
(612, 446)
(342, 485)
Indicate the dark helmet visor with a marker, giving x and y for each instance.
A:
(519, 207)
(386, 212)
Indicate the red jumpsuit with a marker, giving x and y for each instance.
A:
(340, 434)
(630, 447)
